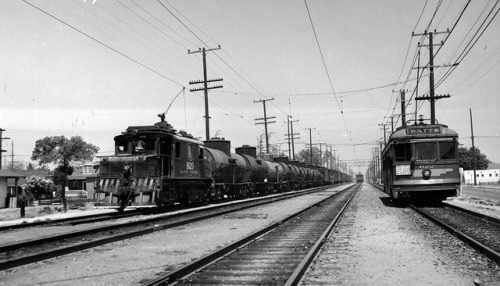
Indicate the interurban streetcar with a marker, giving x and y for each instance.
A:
(421, 162)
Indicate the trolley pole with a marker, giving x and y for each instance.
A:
(265, 122)
(205, 87)
(473, 148)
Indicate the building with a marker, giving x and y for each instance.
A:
(8, 194)
(83, 179)
(482, 177)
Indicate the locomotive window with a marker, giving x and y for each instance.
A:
(447, 150)
(177, 149)
(190, 151)
(402, 152)
(425, 151)
(122, 146)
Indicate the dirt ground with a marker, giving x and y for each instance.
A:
(381, 243)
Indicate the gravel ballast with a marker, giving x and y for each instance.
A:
(379, 242)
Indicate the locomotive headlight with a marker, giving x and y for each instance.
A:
(426, 173)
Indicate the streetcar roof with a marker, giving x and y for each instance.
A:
(423, 131)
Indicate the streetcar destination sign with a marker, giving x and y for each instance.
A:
(424, 130)
(402, 170)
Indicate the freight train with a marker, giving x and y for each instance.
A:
(156, 165)
(420, 162)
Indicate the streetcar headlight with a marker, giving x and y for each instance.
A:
(426, 173)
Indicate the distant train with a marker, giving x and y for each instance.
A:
(359, 178)
(421, 162)
(156, 165)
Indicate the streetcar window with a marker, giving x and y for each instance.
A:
(426, 151)
(447, 150)
(402, 152)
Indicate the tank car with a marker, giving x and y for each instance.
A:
(421, 162)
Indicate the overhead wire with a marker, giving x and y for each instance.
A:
(104, 44)
(327, 72)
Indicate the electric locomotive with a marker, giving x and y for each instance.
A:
(421, 162)
(156, 165)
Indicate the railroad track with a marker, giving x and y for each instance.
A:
(35, 250)
(479, 231)
(276, 255)
(74, 220)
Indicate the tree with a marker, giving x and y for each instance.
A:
(305, 156)
(62, 151)
(37, 188)
(465, 157)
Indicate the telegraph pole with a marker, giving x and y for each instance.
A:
(432, 97)
(288, 136)
(403, 109)
(473, 149)
(12, 156)
(265, 118)
(293, 137)
(205, 87)
(310, 143)
(385, 140)
(1, 150)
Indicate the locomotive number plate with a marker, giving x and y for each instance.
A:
(403, 170)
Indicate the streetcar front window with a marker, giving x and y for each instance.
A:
(402, 152)
(447, 150)
(425, 151)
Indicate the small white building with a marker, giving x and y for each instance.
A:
(8, 195)
(482, 177)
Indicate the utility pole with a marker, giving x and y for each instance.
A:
(288, 136)
(1, 150)
(403, 109)
(383, 126)
(473, 149)
(432, 97)
(12, 156)
(205, 87)
(310, 143)
(293, 137)
(392, 122)
(265, 122)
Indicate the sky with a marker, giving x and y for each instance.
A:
(92, 68)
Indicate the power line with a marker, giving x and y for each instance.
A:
(326, 70)
(102, 43)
